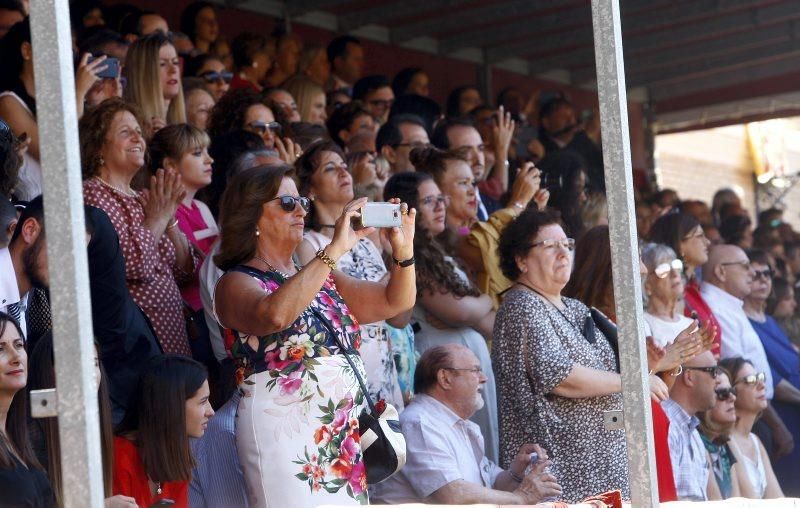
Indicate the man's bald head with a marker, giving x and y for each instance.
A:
(694, 389)
(728, 268)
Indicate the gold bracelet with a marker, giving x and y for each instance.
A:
(325, 258)
(173, 224)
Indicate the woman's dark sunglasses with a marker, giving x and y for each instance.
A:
(212, 76)
(724, 394)
(289, 203)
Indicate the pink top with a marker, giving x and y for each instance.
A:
(198, 225)
(150, 267)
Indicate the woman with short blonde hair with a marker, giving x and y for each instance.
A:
(152, 69)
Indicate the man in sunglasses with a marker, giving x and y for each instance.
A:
(692, 392)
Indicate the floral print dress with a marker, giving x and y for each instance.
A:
(297, 428)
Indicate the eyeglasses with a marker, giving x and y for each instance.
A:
(262, 127)
(713, 370)
(435, 201)
(566, 243)
(724, 394)
(474, 370)
(289, 203)
(765, 274)
(664, 269)
(752, 379)
(744, 264)
(214, 76)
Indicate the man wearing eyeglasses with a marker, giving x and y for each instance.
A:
(445, 461)
(727, 279)
(397, 137)
(692, 392)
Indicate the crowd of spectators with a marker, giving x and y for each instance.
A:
(236, 305)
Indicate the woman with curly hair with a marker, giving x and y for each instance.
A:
(243, 109)
(449, 308)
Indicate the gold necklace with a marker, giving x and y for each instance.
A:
(130, 192)
(272, 268)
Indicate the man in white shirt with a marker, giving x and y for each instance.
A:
(727, 277)
(446, 463)
(23, 264)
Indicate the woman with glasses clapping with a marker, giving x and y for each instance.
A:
(290, 329)
(755, 475)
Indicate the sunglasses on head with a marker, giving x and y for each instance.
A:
(214, 76)
(262, 127)
(664, 269)
(724, 394)
(752, 379)
(289, 203)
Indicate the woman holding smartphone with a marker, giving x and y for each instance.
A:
(325, 179)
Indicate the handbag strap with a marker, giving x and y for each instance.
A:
(339, 344)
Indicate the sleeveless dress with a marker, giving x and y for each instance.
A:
(30, 174)
(754, 469)
(364, 262)
(297, 429)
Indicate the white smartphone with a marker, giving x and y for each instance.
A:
(380, 215)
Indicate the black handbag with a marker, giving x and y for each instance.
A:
(382, 443)
(609, 329)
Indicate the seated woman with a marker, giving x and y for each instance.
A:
(22, 481)
(153, 73)
(715, 428)
(663, 288)
(152, 457)
(755, 476)
(184, 149)
(684, 234)
(156, 251)
(784, 362)
(326, 181)
(45, 433)
(449, 308)
(556, 371)
(296, 336)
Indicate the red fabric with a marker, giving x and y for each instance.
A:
(695, 302)
(666, 479)
(237, 83)
(131, 480)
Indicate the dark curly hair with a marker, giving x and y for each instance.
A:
(343, 117)
(93, 128)
(305, 167)
(434, 273)
(229, 113)
(515, 240)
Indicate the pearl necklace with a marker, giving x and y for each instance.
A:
(130, 192)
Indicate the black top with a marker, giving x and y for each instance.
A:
(124, 334)
(25, 488)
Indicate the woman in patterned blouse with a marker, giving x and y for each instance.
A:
(156, 251)
(556, 373)
(296, 336)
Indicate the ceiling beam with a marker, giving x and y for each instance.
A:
(300, 7)
(466, 15)
(758, 70)
(711, 66)
(662, 60)
(398, 10)
(668, 32)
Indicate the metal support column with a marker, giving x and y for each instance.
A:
(624, 255)
(82, 478)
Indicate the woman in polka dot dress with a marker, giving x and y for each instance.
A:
(156, 251)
